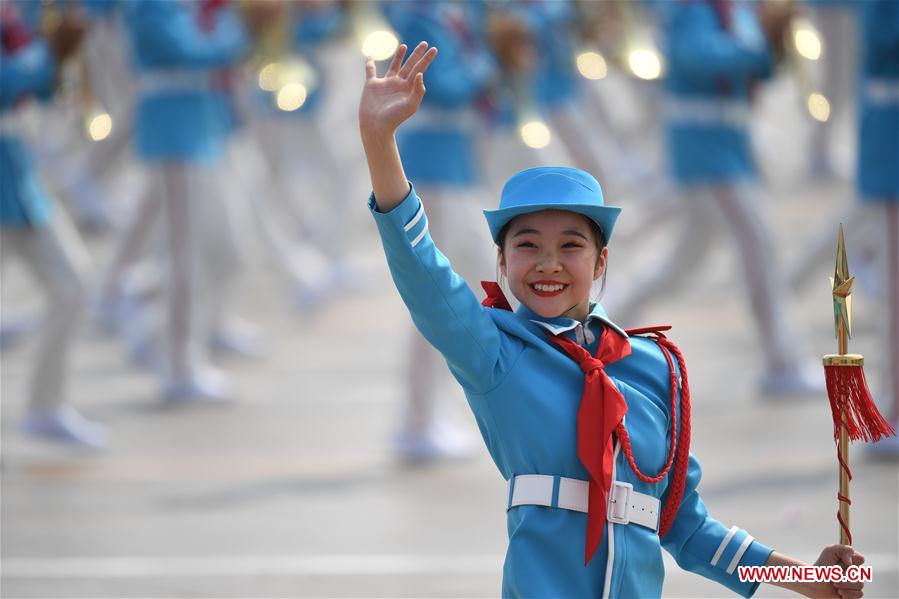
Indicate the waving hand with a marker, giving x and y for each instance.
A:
(389, 100)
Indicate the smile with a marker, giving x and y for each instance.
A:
(547, 289)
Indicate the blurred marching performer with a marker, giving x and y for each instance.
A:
(438, 149)
(181, 49)
(286, 107)
(31, 230)
(836, 20)
(560, 94)
(878, 179)
(75, 144)
(716, 53)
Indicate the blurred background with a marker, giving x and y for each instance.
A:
(210, 387)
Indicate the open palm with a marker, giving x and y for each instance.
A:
(389, 100)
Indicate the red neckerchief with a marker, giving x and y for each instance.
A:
(601, 411)
(14, 33)
(207, 12)
(495, 297)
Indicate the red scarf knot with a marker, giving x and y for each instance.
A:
(495, 296)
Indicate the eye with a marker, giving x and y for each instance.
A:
(572, 244)
(526, 244)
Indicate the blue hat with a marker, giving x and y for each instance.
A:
(552, 188)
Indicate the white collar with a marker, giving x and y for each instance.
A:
(557, 326)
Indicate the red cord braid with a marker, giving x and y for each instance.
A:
(679, 449)
(625, 438)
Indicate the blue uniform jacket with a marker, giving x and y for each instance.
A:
(181, 116)
(707, 90)
(525, 394)
(552, 23)
(437, 145)
(29, 72)
(878, 156)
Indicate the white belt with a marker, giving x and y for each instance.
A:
(429, 116)
(732, 113)
(882, 91)
(172, 80)
(626, 506)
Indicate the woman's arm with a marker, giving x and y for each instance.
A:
(386, 102)
(442, 306)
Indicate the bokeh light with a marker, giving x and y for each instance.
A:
(645, 64)
(535, 134)
(819, 107)
(100, 126)
(807, 40)
(268, 76)
(291, 96)
(380, 45)
(592, 65)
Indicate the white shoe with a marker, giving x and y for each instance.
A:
(796, 382)
(307, 299)
(65, 425)
(438, 444)
(203, 386)
(13, 332)
(144, 353)
(236, 339)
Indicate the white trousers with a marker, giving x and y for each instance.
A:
(708, 210)
(200, 256)
(59, 262)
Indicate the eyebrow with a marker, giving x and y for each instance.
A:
(565, 232)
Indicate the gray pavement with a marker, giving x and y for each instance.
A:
(294, 492)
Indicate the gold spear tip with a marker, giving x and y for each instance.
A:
(842, 288)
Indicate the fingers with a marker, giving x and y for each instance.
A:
(849, 590)
(849, 556)
(413, 59)
(419, 85)
(370, 70)
(397, 61)
(424, 62)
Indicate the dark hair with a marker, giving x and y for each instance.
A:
(594, 226)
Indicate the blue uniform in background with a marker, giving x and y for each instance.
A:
(878, 156)
(180, 113)
(525, 395)
(713, 62)
(555, 81)
(437, 145)
(25, 73)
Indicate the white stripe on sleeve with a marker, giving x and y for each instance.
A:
(416, 218)
(733, 563)
(730, 534)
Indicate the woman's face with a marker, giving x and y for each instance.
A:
(550, 260)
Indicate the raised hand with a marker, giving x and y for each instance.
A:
(389, 100)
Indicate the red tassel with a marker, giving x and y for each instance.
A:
(849, 394)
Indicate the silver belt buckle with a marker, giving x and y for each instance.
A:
(620, 504)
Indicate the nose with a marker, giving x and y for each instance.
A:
(548, 262)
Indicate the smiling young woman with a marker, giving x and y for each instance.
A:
(551, 259)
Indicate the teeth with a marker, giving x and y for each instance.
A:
(542, 287)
